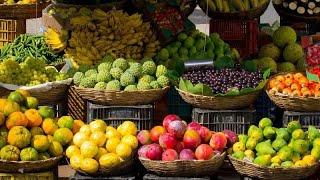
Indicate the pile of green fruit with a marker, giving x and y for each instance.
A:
(284, 54)
(288, 147)
(121, 74)
(195, 46)
(31, 72)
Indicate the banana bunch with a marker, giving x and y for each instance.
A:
(9, 2)
(98, 33)
(230, 6)
(56, 41)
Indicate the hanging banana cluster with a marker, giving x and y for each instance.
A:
(113, 32)
(56, 41)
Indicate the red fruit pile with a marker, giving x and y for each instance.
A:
(176, 139)
(313, 55)
(315, 70)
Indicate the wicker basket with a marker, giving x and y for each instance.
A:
(29, 166)
(219, 102)
(254, 171)
(299, 104)
(122, 98)
(124, 168)
(251, 14)
(120, 4)
(196, 168)
(50, 93)
(22, 11)
(295, 17)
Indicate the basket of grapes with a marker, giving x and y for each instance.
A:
(122, 82)
(293, 91)
(43, 82)
(218, 89)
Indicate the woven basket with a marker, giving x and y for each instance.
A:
(120, 4)
(195, 168)
(295, 17)
(29, 166)
(251, 14)
(47, 94)
(22, 11)
(254, 171)
(299, 104)
(121, 97)
(219, 102)
(124, 168)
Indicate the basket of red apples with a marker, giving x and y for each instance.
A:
(180, 149)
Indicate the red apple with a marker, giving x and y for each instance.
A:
(168, 119)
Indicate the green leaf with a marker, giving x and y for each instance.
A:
(173, 77)
(312, 77)
(182, 85)
(189, 86)
(207, 91)
(266, 73)
(233, 92)
(261, 85)
(246, 90)
(198, 89)
(224, 62)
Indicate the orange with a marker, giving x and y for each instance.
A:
(16, 119)
(288, 82)
(281, 86)
(297, 76)
(33, 117)
(303, 80)
(289, 76)
(287, 91)
(306, 93)
(273, 83)
(280, 78)
(296, 93)
(295, 86)
(49, 126)
(77, 124)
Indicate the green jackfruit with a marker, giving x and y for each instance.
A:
(265, 122)
(265, 148)
(293, 52)
(243, 138)
(282, 133)
(263, 160)
(313, 133)
(285, 153)
(300, 146)
(283, 36)
(269, 132)
(293, 125)
(278, 144)
(238, 155)
(271, 51)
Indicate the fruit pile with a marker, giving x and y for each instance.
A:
(121, 74)
(278, 147)
(284, 54)
(97, 145)
(197, 46)
(294, 84)
(222, 81)
(177, 140)
(230, 6)
(31, 72)
(300, 7)
(97, 33)
(11, 2)
(29, 132)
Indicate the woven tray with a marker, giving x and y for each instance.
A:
(22, 11)
(47, 94)
(295, 17)
(29, 166)
(219, 102)
(299, 104)
(121, 97)
(195, 168)
(254, 171)
(251, 14)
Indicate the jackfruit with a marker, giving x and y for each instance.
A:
(270, 50)
(283, 36)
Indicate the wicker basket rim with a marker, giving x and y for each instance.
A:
(140, 91)
(291, 97)
(196, 95)
(32, 162)
(269, 168)
(166, 162)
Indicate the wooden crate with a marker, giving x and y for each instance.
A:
(10, 29)
(77, 107)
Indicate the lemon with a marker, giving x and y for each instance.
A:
(113, 133)
(112, 144)
(109, 160)
(109, 127)
(276, 159)
(85, 129)
(79, 138)
(102, 151)
(130, 140)
(99, 138)
(89, 149)
(300, 163)
(75, 161)
(98, 125)
(238, 146)
(72, 150)
(128, 128)
(124, 151)
(89, 165)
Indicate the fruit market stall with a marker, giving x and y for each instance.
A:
(132, 90)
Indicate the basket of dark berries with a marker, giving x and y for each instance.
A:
(221, 89)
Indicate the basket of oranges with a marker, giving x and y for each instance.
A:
(294, 92)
